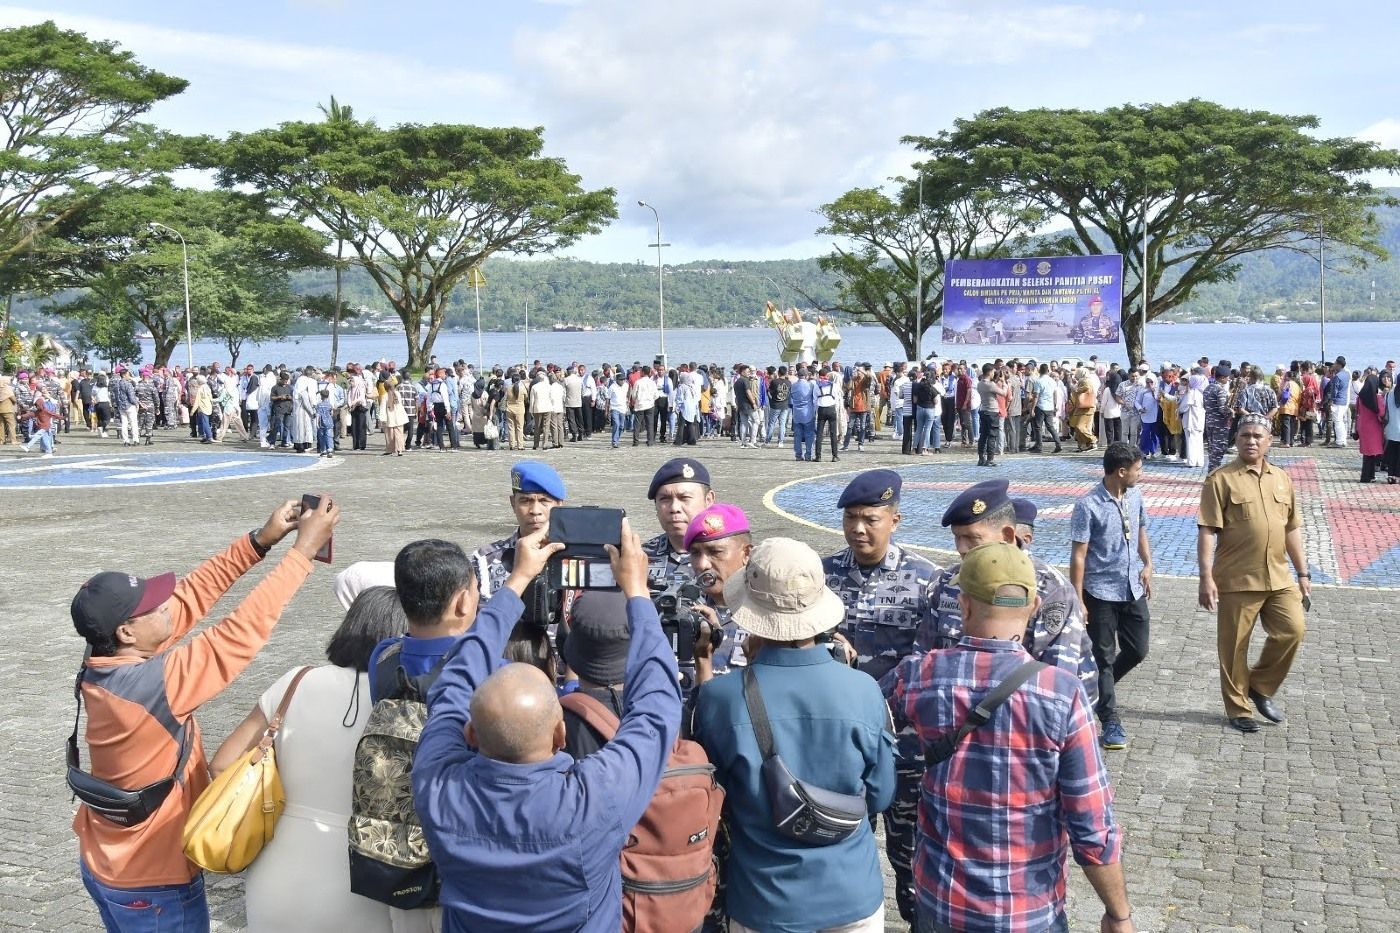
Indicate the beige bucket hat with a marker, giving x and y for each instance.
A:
(782, 593)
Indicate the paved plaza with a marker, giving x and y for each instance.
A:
(1294, 828)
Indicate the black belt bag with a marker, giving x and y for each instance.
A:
(802, 811)
(116, 804)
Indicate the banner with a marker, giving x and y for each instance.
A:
(1038, 300)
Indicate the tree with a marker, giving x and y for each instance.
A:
(240, 256)
(419, 206)
(69, 128)
(1208, 184)
(106, 326)
(898, 247)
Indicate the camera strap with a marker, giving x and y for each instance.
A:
(980, 714)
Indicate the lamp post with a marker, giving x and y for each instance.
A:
(1321, 294)
(919, 280)
(185, 264)
(660, 285)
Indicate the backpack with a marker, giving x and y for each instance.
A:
(668, 867)
(389, 860)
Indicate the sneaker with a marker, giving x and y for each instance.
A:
(1113, 736)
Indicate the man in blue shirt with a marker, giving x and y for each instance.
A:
(525, 837)
(804, 415)
(829, 724)
(1110, 565)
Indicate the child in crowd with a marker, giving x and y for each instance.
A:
(325, 425)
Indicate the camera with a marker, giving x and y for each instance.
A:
(680, 622)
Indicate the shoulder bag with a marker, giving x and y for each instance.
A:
(801, 811)
(980, 714)
(236, 815)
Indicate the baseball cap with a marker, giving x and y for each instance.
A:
(989, 567)
(110, 598)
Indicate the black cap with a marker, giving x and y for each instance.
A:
(1222, 372)
(873, 487)
(679, 470)
(110, 598)
(598, 639)
(1025, 511)
(975, 502)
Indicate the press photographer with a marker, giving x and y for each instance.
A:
(141, 688)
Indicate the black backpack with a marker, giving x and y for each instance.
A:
(389, 860)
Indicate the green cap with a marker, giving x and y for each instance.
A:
(988, 568)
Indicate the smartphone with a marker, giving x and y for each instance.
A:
(584, 531)
(1307, 604)
(310, 503)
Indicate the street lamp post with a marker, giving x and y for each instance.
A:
(919, 280)
(185, 264)
(660, 284)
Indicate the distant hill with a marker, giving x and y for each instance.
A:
(722, 293)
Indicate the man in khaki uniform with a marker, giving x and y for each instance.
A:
(1248, 521)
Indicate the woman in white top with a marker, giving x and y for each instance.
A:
(300, 883)
(1192, 409)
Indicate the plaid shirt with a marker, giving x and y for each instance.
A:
(997, 818)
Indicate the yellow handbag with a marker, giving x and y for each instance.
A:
(236, 815)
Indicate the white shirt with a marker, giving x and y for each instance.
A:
(617, 396)
(556, 397)
(539, 396)
(644, 394)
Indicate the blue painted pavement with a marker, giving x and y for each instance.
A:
(1352, 532)
(148, 469)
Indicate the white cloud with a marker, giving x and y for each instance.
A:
(1000, 33)
(1386, 132)
(245, 82)
(735, 119)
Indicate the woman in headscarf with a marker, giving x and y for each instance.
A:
(1370, 429)
(1392, 427)
(1085, 401)
(393, 417)
(516, 397)
(482, 411)
(1191, 407)
(1110, 411)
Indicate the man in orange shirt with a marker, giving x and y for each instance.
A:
(141, 690)
(859, 424)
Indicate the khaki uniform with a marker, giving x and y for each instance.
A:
(1252, 509)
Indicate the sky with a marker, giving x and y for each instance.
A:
(737, 119)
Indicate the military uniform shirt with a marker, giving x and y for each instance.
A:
(664, 566)
(1056, 634)
(1252, 509)
(884, 605)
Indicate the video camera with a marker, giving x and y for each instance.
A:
(681, 622)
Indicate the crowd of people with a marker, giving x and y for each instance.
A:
(487, 752)
(1176, 413)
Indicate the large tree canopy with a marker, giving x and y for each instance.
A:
(896, 247)
(69, 129)
(240, 256)
(1208, 183)
(419, 206)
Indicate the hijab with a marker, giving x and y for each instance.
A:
(1367, 395)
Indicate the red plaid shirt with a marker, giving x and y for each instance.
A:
(997, 819)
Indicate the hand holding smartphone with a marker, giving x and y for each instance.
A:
(310, 503)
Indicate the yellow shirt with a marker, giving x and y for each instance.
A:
(1252, 509)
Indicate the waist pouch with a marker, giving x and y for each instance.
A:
(805, 812)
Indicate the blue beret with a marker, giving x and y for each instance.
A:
(975, 502)
(679, 470)
(528, 476)
(873, 487)
(1025, 511)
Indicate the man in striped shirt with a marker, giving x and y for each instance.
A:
(997, 817)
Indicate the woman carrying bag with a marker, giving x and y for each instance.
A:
(300, 883)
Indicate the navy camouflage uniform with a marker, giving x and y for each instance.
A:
(1056, 634)
(1216, 401)
(885, 607)
(147, 401)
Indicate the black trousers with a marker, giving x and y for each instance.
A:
(1043, 428)
(359, 428)
(573, 423)
(908, 432)
(826, 423)
(1112, 430)
(988, 437)
(663, 418)
(644, 421)
(1118, 631)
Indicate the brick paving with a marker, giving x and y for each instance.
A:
(1294, 828)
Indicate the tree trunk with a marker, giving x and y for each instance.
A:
(1133, 336)
(163, 349)
(335, 312)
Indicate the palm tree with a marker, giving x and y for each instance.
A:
(336, 112)
(40, 352)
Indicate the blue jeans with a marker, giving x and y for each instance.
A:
(778, 419)
(176, 908)
(618, 421)
(857, 426)
(44, 440)
(325, 438)
(926, 421)
(201, 424)
(804, 439)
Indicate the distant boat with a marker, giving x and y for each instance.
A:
(573, 328)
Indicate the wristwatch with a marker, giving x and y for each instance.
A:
(257, 546)
(1304, 576)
